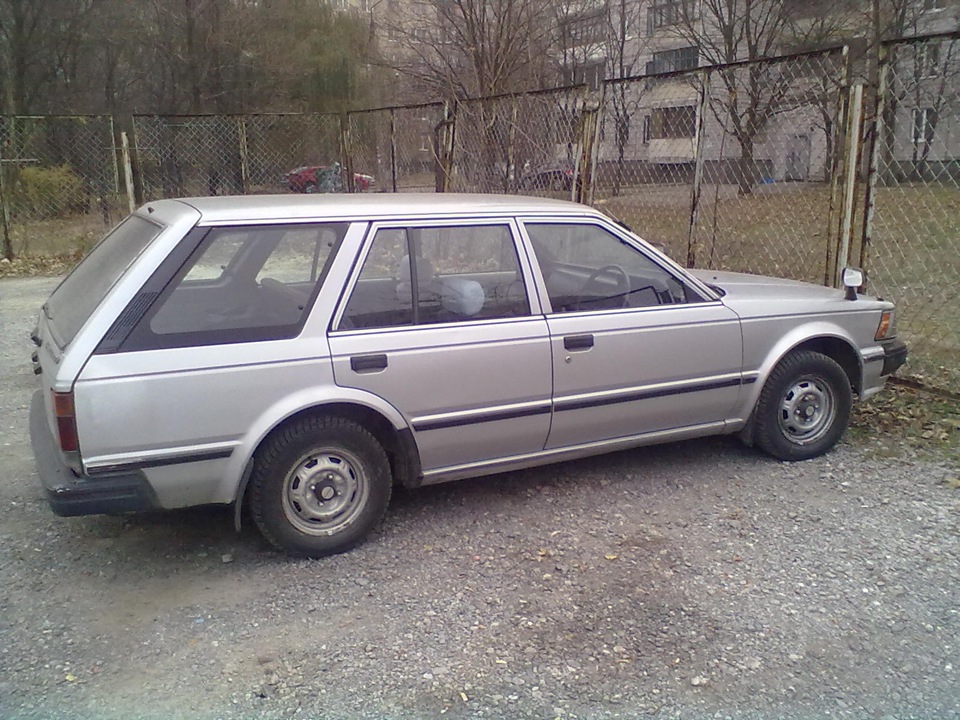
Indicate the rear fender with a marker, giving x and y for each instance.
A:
(240, 463)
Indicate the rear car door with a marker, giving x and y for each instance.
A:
(637, 349)
(438, 321)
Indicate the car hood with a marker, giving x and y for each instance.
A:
(755, 295)
(744, 285)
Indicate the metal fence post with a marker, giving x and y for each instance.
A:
(511, 176)
(127, 172)
(583, 180)
(444, 135)
(243, 153)
(393, 150)
(346, 160)
(877, 129)
(854, 127)
(5, 211)
(834, 216)
(697, 170)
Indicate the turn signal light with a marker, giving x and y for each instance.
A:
(885, 329)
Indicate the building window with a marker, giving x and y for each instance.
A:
(934, 4)
(664, 13)
(670, 123)
(686, 58)
(924, 125)
(928, 60)
(590, 74)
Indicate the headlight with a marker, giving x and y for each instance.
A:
(887, 327)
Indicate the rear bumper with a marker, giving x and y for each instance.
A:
(894, 356)
(70, 494)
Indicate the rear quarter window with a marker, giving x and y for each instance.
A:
(241, 284)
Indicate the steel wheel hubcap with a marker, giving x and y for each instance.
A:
(806, 410)
(324, 492)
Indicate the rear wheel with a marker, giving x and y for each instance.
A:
(319, 486)
(804, 407)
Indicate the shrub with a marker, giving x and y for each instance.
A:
(49, 192)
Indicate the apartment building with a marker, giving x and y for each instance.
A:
(654, 123)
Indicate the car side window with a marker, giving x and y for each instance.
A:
(586, 267)
(429, 275)
(241, 284)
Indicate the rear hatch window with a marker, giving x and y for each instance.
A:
(87, 285)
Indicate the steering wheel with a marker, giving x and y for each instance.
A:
(605, 301)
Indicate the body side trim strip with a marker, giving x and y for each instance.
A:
(648, 393)
(159, 462)
(440, 422)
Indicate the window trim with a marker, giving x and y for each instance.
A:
(523, 265)
(664, 263)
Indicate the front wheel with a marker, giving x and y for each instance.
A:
(319, 486)
(804, 407)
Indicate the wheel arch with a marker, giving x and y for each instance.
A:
(825, 339)
(840, 351)
(383, 421)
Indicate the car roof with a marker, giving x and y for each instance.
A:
(223, 209)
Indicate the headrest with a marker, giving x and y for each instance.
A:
(461, 296)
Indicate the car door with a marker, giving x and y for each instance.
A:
(439, 323)
(636, 347)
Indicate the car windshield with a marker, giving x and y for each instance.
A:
(87, 285)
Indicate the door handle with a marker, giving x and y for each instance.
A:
(368, 363)
(578, 342)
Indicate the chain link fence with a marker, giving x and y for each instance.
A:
(912, 236)
(190, 155)
(58, 182)
(529, 143)
(728, 168)
(397, 147)
(749, 167)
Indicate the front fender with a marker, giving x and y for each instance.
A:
(759, 362)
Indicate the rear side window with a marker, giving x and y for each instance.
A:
(85, 288)
(241, 284)
(430, 275)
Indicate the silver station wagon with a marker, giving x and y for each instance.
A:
(303, 355)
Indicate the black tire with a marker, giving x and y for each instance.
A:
(319, 486)
(804, 407)
(310, 188)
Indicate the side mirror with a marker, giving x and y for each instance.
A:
(851, 278)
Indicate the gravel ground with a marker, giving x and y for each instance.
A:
(698, 580)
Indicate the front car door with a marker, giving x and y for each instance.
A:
(637, 348)
(438, 322)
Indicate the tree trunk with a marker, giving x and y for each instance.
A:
(746, 173)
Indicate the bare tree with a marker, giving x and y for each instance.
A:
(885, 20)
(472, 48)
(732, 31)
(40, 45)
(624, 50)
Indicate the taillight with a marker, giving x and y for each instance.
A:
(66, 416)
